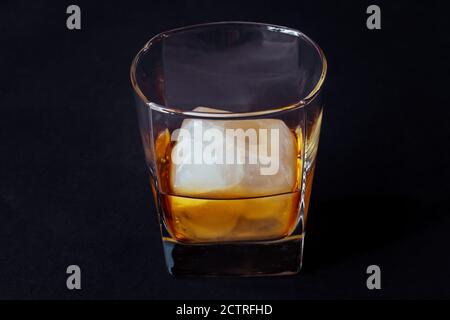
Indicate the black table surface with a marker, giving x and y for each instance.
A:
(73, 185)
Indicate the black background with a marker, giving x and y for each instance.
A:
(73, 186)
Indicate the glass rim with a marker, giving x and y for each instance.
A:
(202, 114)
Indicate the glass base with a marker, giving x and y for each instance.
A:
(281, 257)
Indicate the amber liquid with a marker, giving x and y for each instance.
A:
(199, 220)
(220, 220)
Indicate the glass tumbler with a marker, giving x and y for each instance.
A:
(230, 114)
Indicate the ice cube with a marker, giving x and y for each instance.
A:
(237, 179)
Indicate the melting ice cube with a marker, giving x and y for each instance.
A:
(244, 166)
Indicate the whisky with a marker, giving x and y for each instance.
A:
(231, 216)
(223, 220)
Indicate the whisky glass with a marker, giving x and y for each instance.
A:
(229, 115)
